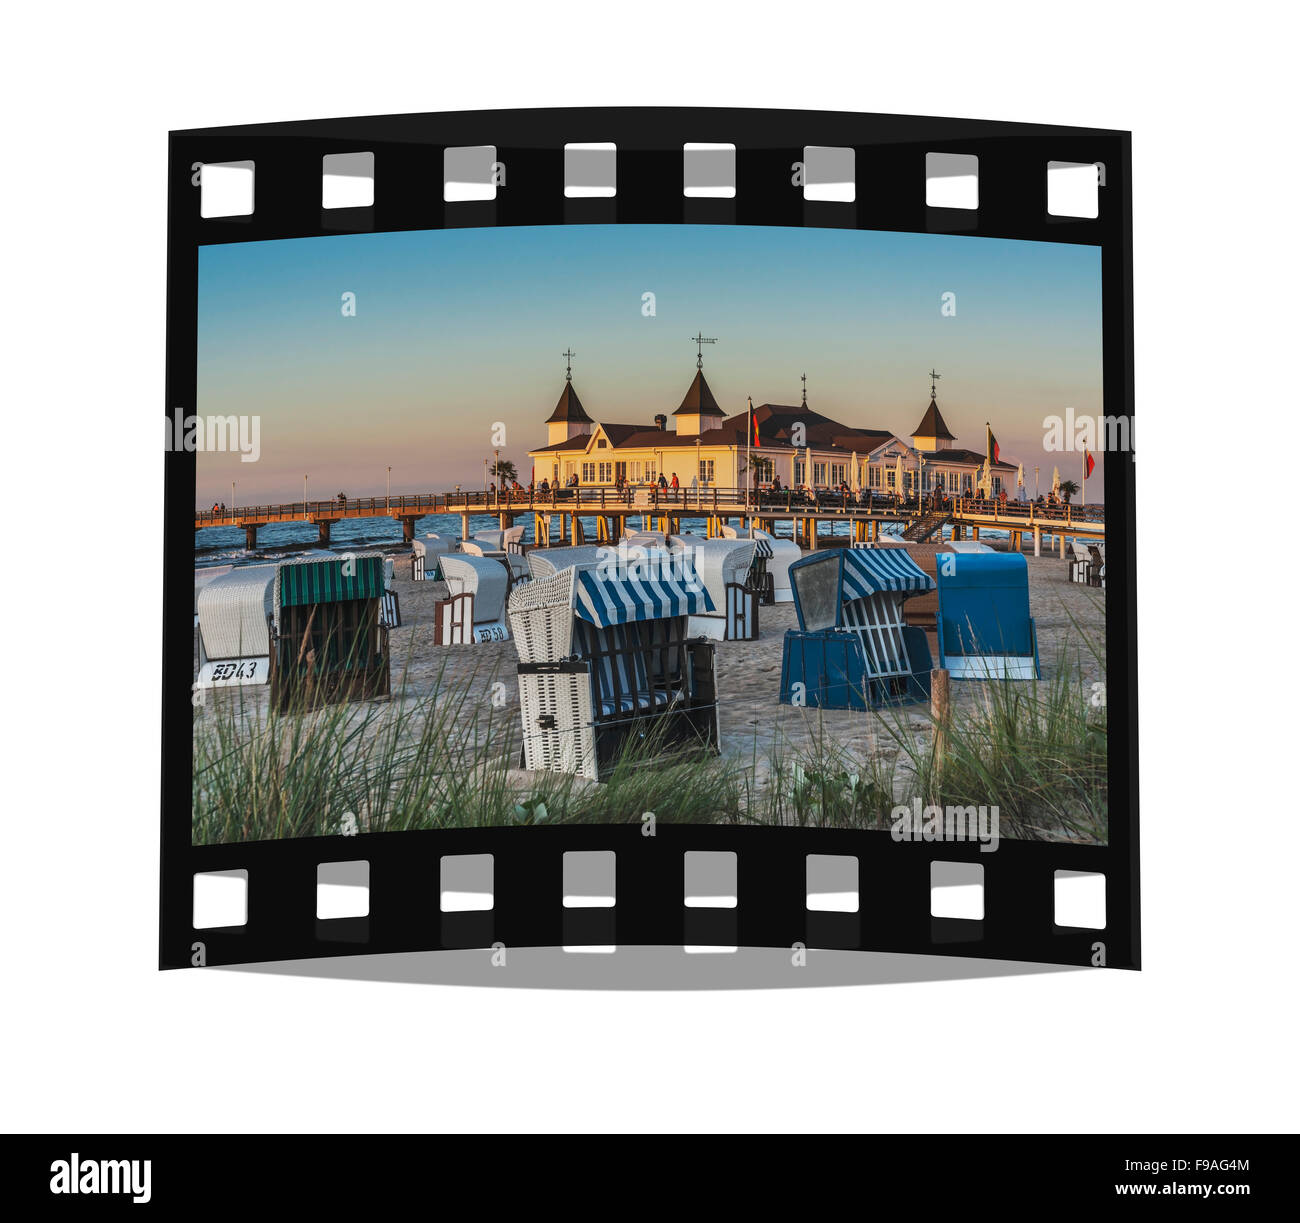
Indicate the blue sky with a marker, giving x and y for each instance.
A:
(457, 329)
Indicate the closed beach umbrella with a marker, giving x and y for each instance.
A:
(853, 477)
(898, 476)
(807, 467)
(1020, 480)
(1056, 481)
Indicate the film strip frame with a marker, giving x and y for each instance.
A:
(771, 903)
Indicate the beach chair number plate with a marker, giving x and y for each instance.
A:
(876, 364)
(239, 671)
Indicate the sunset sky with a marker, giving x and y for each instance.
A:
(457, 329)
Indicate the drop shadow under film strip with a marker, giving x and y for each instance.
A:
(895, 910)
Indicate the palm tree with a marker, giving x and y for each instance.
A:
(1068, 489)
(504, 470)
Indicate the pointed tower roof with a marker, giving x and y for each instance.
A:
(569, 408)
(932, 423)
(699, 399)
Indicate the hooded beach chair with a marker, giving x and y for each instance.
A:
(985, 629)
(774, 555)
(853, 648)
(723, 566)
(424, 556)
(233, 609)
(475, 607)
(329, 640)
(604, 661)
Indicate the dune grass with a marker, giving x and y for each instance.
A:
(441, 758)
(447, 757)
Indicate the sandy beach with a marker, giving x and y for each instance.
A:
(755, 728)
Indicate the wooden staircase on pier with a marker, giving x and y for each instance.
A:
(919, 531)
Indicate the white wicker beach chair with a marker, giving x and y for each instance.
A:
(475, 608)
(784, 554)
(234, 634)
(723, 566)
(601, 657)
(425, 553)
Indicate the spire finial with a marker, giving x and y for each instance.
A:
(700, 341)
(568, 356)
(804, 379)
(934, 377)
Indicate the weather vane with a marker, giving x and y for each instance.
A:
(700, 341)
(568, 356)
(933, 379)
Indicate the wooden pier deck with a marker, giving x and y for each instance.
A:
(558, 517)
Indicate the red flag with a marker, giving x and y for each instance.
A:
(1088, 463)
(994, 452)
(758, 441)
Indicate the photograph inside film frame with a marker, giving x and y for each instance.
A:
(563, 525)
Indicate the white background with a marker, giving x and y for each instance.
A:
(93, 1036)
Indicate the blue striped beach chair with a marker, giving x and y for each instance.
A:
(853, 648)
(604, 661)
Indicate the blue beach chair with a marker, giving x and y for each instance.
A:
(852, 649)
(984, 626)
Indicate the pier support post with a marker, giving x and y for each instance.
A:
(464, 524)
(250, 536)
(408, 529)
(975, 531)
(1038, 541)
(323, 533)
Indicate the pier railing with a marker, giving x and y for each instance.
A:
(702, 500)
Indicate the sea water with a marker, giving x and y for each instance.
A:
(280, 540)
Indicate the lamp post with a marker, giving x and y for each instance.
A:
(699, 482)
(388, 488)
(232, 501)
(305, 516)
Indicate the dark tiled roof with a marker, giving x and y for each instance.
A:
(569, 408)
(573, 443)
(956, 455)
(699, 399)
(932, 424)
(618, 434)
